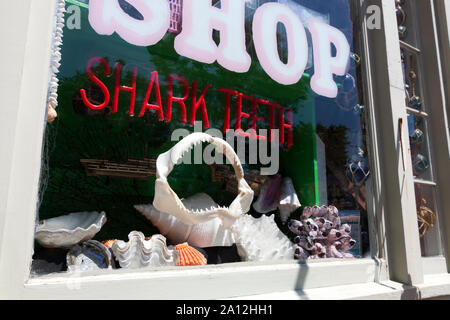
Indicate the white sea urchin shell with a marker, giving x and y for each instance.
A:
(261, 239)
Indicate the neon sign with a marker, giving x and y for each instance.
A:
(198, 103)
(195, 41)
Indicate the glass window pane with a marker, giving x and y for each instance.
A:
(100, 153)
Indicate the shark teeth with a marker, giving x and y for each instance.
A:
(166, 200)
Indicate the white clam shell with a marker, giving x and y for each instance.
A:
(141, 253)
(68, 230)
(202, 235)
(261, 239)
(288, 199)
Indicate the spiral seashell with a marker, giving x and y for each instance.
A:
(288, 199)
(202, 235)
(189, 256)
(51, 114)
(268, 199)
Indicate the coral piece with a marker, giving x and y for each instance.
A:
(189, 256)
(202, 235)
(269, 196)
(166, 200)
(261, 239)
(319, 237)
(68, 230)
(288, 199)
(140, 253)
(90, 255)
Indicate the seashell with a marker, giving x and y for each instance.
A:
(261, 239)
(108, 243)
(310, 225)
(333, 252)
(90, 255)
(305, 242)
(68, 230)
(202, 235)
(316, 212)
(296, 226)
(51, 114)
(166, 200)
(141, 253)
(288, 199)
(268, 199)
(300, 253)
(189, 256)
(306, 213)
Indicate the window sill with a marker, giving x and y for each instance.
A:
(210, 282)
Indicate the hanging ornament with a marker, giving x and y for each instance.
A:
(357, 172)
(420, 164)
(401, 19)
(417, 137)
(414, 102)
(347, 97)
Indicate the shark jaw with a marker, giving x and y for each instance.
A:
(166, 200)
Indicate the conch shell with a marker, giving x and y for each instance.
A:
(189, 256)
(288, 199)
(261, 239)
(166, 200)
(202, 235)
(269, 196)
(141, 253)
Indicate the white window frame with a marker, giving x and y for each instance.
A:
(25, 61)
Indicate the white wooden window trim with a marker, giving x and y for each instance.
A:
(26, 28)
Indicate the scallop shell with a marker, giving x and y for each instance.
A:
(261, 239)
(68, 230)
(288, 199)
(268, 198)
(202, 235)
(90, 255)
(189, 256)
(141, 253)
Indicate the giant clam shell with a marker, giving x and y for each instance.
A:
(90, 255)
(66, 231)
(141, 253)
(288, 199)
(261, 239)
(202, 235)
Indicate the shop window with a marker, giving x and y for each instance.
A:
(114, 121)
(419, 129)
